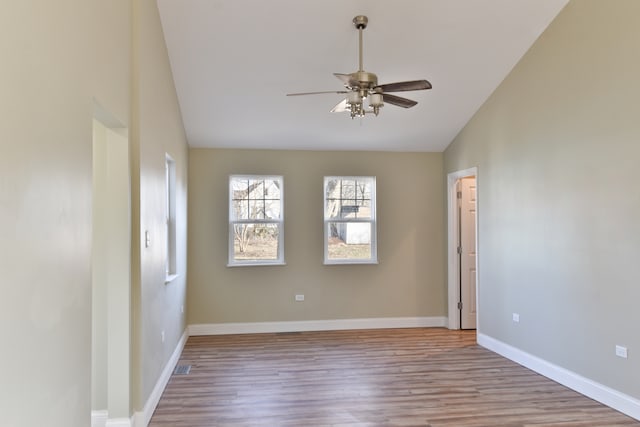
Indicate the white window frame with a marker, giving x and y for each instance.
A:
(372, 221)
(170, 219)
(232, 262)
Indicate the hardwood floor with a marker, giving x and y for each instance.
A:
(393, 377)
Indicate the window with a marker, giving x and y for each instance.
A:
(350, 220)
(170, 218)
(255, 220)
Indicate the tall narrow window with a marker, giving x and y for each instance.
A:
(350, 220)
(255, 220)
(170, 218)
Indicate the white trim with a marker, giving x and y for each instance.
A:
(352, 261)
(373, 259)
(255, 264)
(171, 257)
(119, 422)
(142, 418)
(231, 261)
(622, 402)
(452, 258)
(170, 278)
(99, 418)
(316, 325)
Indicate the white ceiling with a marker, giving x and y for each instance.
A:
(233, 61)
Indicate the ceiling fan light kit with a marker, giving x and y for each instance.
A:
(362, 85)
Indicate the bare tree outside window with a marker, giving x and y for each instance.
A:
(255, 220)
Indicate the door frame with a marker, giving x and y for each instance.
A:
(111, 319)
(453, 263)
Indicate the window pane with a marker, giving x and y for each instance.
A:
(239, 186)
(255, 212)
(271, 199)
(255, 198)
(256, 209)
(332, 208)
(240, 209)
(271, 189)
(272, 209)
(348, 190)
(349, 241)
(255, 241)
(348, 198)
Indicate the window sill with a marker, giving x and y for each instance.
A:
(170, 278)
(352, 262)
(256, 264)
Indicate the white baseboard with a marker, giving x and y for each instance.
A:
(142, 418)
(119, 422)
(596, 391)
(316, 325)
(99, 418)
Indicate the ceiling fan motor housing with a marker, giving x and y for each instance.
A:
(363, 80)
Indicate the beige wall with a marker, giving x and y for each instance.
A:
(407, 282)
(556, 148)
(158, 130)
(59, 59)
(56, 57)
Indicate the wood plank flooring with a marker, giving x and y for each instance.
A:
(393, 377)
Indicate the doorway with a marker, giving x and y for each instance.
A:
(462, 249)
(111, 272)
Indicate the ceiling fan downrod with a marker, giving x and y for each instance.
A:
(363, 82)
(360, 22)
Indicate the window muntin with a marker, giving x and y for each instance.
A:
(350, 220)
(255, 220)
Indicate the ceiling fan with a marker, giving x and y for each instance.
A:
(361, 85)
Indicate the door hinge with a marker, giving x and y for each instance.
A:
(460, 305)
(459, 195)
(459, 250)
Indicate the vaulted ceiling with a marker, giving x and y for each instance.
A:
(233, 62)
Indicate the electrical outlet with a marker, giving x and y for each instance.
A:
(299, 297)
(162, 336)
(516, 317)
(182, 309)
(621, 351)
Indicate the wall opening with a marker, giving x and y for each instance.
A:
(453, 248)
(111, 269)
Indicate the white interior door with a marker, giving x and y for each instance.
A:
(467, 251)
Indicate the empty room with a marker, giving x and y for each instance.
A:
(354, 213)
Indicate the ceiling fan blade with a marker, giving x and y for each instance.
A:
(398, 100)
(405, 86)
(344, 78)
(347, 79)
(317, 93)
(340, 107)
